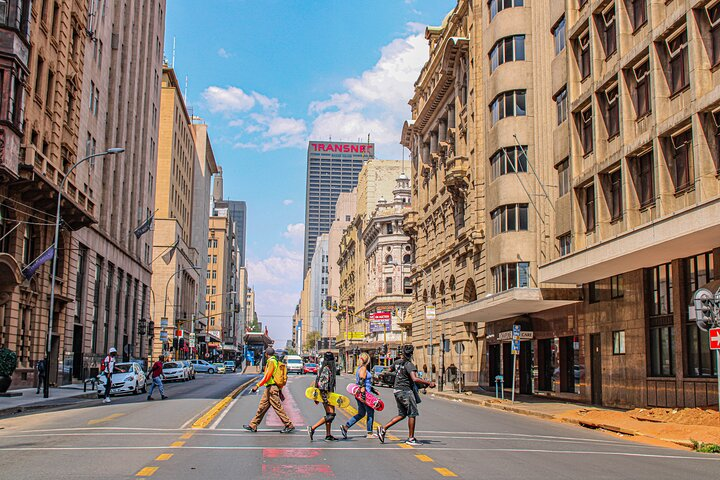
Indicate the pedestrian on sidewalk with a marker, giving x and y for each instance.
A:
(406, 394)
(363, 378)
(41, 372)
(156, 374)
(325, 382)
(272, 396)
(108, 370)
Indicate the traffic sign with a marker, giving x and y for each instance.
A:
(715, 339)
(430, 312)
(515, 347)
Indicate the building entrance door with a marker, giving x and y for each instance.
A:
(493, 364)
(545, 365)
(507, 360)
(596, 369)
(525, 367)
(77, 351)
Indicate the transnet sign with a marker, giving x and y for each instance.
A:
(366, 149)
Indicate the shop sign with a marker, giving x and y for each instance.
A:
(524, 335)
(354, 336)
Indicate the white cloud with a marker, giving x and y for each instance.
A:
(228, 100)
(223, 53)
(295, 232)
(288, 202)
(282, 267)
(236, 123)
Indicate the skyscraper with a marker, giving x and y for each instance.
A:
(238, 212)
(332, 168)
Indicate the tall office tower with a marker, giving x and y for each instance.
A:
(332, 168)
(238, 212)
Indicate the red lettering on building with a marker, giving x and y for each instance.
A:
(340, 148)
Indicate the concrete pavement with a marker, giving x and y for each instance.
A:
(135, 439)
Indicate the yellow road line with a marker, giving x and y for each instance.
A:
(106, 419)
(146, 472)
(206, 419)
(445, 472)
(424, 458)
(405, 445)
(186, 436)
(177, 444)
(164, 456)
(392, 437)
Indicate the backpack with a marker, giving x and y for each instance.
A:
(323, 381)
(103, 365)
(280, 375)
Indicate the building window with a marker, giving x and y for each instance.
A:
(582, 3)
(511, 275)
(698, 271)
(612, 111)
(659, 291)
(682, 159)
(500, 5)
(639, 14)
(508, 49)
(565, 242)
(713, 14)
(617, 287)
(661, 287)
(388, 285)
(616, 196)
(388, 259)
(641, 92)
(508, 160)
(508, 104)
(677, 50)
(593, 292)
(509, 218)
(590, 208)
(5, 229)
(407, 286)
(609, 31)
(619, 342)
(586, 130)
(642, 169)
(584, 55)
(389, 229)
(563, 169)
(561, 105)
(558, 32)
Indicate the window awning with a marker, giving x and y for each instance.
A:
(512, 303)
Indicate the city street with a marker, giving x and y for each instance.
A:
(134, 438)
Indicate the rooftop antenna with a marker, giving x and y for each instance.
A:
(402, 168)
(186, 87)
(173, 55)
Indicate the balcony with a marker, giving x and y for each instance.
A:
(457, 169)
(410, 222)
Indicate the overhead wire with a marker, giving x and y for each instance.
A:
(25, 205)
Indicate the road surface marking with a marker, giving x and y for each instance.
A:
(186, 436)
(224, 413)
(392, 437)
(291, 410)
(405, 445)
(289, 453)
(445, 472)
(424, 458)
(164, 456)
(106, 419)
(205, 420)
(177, 444)
(296, 471)
(146, 472)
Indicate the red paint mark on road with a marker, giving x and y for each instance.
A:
(292, 411)
(290, 453)
(296, 471)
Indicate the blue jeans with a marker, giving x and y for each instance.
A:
(156, 382)
(363, 411)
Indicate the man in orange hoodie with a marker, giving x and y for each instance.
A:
(271, 396)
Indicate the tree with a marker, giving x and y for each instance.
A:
(311, 340)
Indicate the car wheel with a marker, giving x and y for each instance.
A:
(211, 371)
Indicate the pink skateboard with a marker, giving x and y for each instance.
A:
(370, 400)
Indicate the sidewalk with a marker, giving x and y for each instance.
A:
(676, 426)
(29, 400)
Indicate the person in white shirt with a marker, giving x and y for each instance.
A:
(109, 364)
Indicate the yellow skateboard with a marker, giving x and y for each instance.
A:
(335, 399)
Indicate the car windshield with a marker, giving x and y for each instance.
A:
(170, 365)
(229, 363)
(294, 360)
(122, 368)
(378, 368)
(311, 365)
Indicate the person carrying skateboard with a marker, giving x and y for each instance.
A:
(325, 382)
(406, 394)
(363, 377)
(272, 396)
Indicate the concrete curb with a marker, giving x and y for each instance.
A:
(33, 407)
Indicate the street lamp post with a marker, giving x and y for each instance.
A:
(167, 285)
(51, 319)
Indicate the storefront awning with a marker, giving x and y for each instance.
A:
(512, 303)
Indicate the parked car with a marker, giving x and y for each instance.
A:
(376, 371)
(175, 371)
(294, 364)
(190, 369)
(201, 366)
(127, 378)
(230, 366)
(310, 368)
(386, 377)
(220, 367)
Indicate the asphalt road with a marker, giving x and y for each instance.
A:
(132, 438)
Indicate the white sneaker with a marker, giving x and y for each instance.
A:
(107, 400)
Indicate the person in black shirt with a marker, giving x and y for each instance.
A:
(405, 390)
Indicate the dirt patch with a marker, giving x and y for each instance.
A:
(676, 425)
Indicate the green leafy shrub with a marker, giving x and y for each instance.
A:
(705, 447)
(8, 361)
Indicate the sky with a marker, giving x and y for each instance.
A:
(267, 76)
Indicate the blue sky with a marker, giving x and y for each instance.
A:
(268, 75)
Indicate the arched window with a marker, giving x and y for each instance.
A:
(388, 259)
(470, 294)
(407, 259)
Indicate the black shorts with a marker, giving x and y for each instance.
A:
(324, 397)
(407, 406)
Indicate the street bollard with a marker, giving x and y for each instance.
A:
(499, 380)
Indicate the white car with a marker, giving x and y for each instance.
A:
(126, 378)
(175, 371)
(294, 364)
